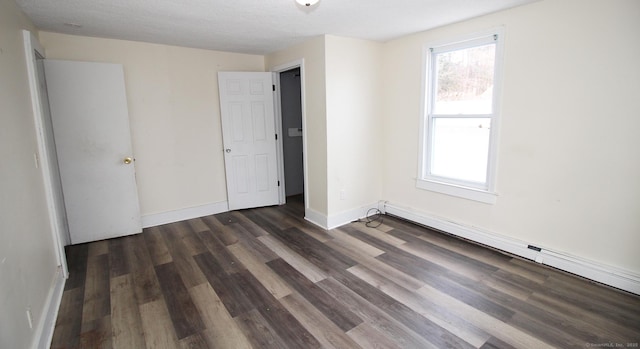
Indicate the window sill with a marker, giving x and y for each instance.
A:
(457, 191)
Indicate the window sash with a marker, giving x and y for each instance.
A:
(433, 69)
(431, 148)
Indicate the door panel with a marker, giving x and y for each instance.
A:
(91, 129)
(248, 129)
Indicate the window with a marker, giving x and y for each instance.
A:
(460, 117)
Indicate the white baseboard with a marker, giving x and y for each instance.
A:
(339, 219)
(316, 218)
(346, 217)
(46, 324)
(589, 269)
(156, 219)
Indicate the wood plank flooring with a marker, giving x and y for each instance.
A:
(266, 278)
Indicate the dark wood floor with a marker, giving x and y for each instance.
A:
(265, 278)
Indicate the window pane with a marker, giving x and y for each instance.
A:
(464, 81)
(461, 148)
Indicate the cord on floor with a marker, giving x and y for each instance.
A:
(372, 220)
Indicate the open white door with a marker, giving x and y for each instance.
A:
(249, 137)
(93, 142)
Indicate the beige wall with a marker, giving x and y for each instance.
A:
(174, 111)
(28, 259)
(313, 53)
(568, 174)
(343, 115)
(354, 117)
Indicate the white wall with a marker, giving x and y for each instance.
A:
(568, 174)
(315, 120)
(28, 261)
(174, 111)
(354, 118)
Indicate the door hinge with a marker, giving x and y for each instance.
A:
(274, 87)
(278, 183)
(276, 136)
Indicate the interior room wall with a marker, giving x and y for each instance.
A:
(354, 117)
(568, 172)
(28, 261)
(312, 52)
(174, 113)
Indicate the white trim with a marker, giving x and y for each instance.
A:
(299, 63)
(457, 191)
(32, 45)
(606, 274)
(316, 218)
(466, 37)
(155, 219)
(349, 216)
(47, 323)
(339, 219)
(277, 106)
(474, 40)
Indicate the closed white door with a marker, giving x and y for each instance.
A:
(249, 138)
(93, 142)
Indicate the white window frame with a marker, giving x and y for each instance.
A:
(468, 190)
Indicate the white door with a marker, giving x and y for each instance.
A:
(93, 142)
(249, 138)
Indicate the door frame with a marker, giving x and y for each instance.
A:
(278, 116)
(32, 46)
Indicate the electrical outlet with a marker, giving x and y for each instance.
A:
(382, 206)
(343, 195)
(30, 317)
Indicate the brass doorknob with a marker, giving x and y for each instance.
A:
(128, 160)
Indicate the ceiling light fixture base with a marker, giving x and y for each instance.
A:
(307, 3)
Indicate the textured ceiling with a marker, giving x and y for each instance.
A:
(250, 26)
